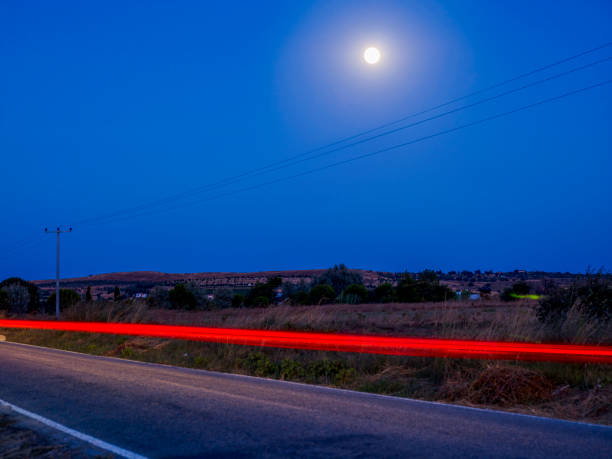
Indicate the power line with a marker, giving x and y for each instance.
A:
(378, 152)
(293, 159)
(288, 162)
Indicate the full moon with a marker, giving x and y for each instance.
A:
(371, 55)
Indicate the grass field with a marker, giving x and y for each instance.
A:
(570, 391)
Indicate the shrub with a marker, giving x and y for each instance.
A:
(260, 301)
(159, 298)
(259, 364)
(322, 294)
(593, 297)
(292, 369)
(355, 294)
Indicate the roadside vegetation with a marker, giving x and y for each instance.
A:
(577, 314)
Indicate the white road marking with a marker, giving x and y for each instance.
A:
(75, 433)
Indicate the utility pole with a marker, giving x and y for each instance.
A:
(57, 231)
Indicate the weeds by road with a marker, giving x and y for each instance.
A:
(571, 391)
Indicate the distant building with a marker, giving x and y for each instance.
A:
(141, 295)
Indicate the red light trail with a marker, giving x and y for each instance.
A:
(426, 347)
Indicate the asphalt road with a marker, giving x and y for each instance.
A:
(161, 411)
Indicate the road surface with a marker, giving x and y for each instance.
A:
(161, 411)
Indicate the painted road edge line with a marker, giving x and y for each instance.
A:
(74, 433)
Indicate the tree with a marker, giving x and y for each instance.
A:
(297, 293)
(260, 301)
(117, 294)
(521, 288)
(383, 293)
(238, 300)
(355, 294)
(68, 297)
(181, 298)
(339, 277)
(426, 288)
(33, 304)
(4, 301)
(223, 298)
(515, 292)
(18, 298)
(267, 290)
(322, 294)
(406, 290)
(88, 294)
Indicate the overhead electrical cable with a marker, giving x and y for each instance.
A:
(374, 153)
(303, 157)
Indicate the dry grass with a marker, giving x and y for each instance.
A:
(570, 391)
(484, 320)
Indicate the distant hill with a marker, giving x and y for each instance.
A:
(104, 283)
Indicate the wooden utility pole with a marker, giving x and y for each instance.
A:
(57, 231)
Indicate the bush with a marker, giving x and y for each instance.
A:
(68, 297)
(260, 301)
(159, 298)
(181, 298)
(322, 294)
(355, 294)
(593, 297)
(259, 364)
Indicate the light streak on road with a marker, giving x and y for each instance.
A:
(370, 344)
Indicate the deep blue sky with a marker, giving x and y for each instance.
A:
(105, 106)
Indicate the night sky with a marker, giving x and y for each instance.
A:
(110, 105)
